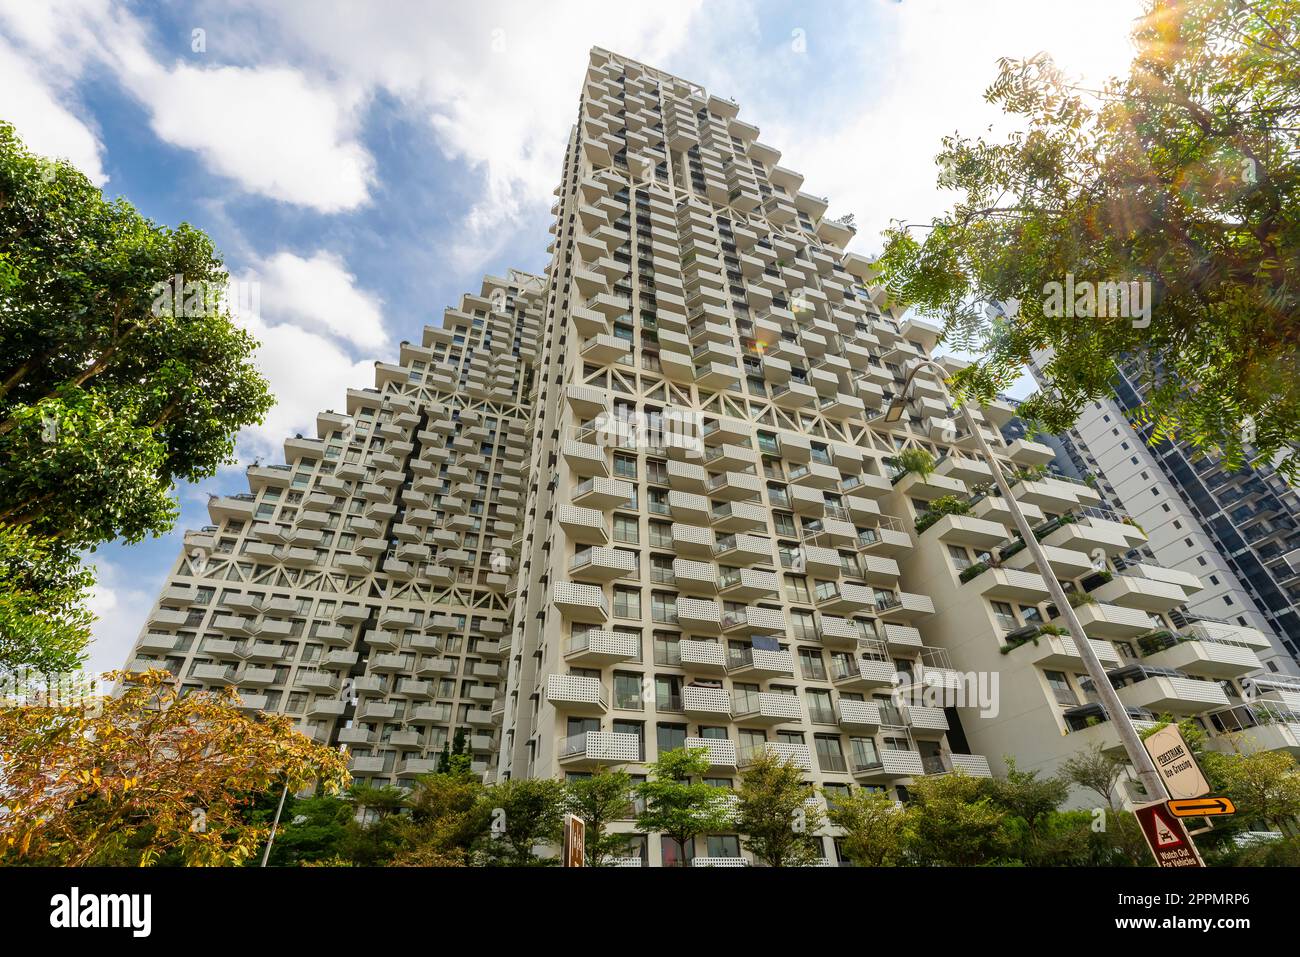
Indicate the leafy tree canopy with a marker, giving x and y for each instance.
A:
(1182, 176)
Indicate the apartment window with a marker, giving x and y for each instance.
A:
(960, 557)
(803, 625)
(670, 737)
(663, 608)
(668, 693)
(661, 569)
(667, 648)
(830, 756)
(1005, 616)
(1060, 686)
(627, 602)
(627, 691)
(811, 664)
(627, 529)
(661, 535)
(821, 710)
(625, 466)
(723, 845)
(796, 589)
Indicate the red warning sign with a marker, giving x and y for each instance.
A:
(1166, 836)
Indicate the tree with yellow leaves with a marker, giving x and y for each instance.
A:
(148, 776)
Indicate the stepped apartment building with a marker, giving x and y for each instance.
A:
(649, 500)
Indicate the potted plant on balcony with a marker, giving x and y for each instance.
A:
(916, 460)
(944, 505)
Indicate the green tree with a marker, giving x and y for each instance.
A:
(110, 393)
(601, 799)
(775, 814)
(954, 823)
(875, 827)
(1031, 802)
(678, 806)
(523, 814)
(44, 624)
(312, 830)
(1183, 175)
(448, 815)
(1096, 771)
(1265, 787)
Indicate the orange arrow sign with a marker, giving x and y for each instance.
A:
(1201, 807)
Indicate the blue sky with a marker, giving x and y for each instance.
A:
(364, 164)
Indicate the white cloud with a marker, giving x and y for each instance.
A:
(498, 83)
(36, 106)
(272, 130)
(276, 131)
(871, 150)
(320, 294)
(308, 373)
(120, 608)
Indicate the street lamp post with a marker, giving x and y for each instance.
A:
(1128, 735)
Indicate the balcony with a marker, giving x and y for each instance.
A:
(574, 694)
(1112, 621)
(862, 674)
(759, 663)
(416, 767)
(719, 753)
(972, 765)
(1259, 726)
(766, 708)
(845, 598)
(1030, 453)
(926, 722)
(1164, 691)
(601, 564)
(578, 602)
(584, 525)
(738, 517)
(692, 540)
(1009, 584)
(796, 754)
(862, 716)
(585, 458)
(1065, 563)
(1198, 651)
(1049, 496)
(740, 584)
(695, 577)
(1056, 651)
(604, 349)
(753, 620)
(916, 485)
(600, 648)
(594, 748)
(742, 549)
(688, 508)
(586, 401)
(734, 486)
(995, 509)
(1148, 594)
(603, 493)
(905, 606)
(978, 533)
(706, 702)
(888, 764)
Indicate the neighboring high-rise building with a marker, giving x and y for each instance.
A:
(1238, 530)
(365, 586)
(649, 500)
